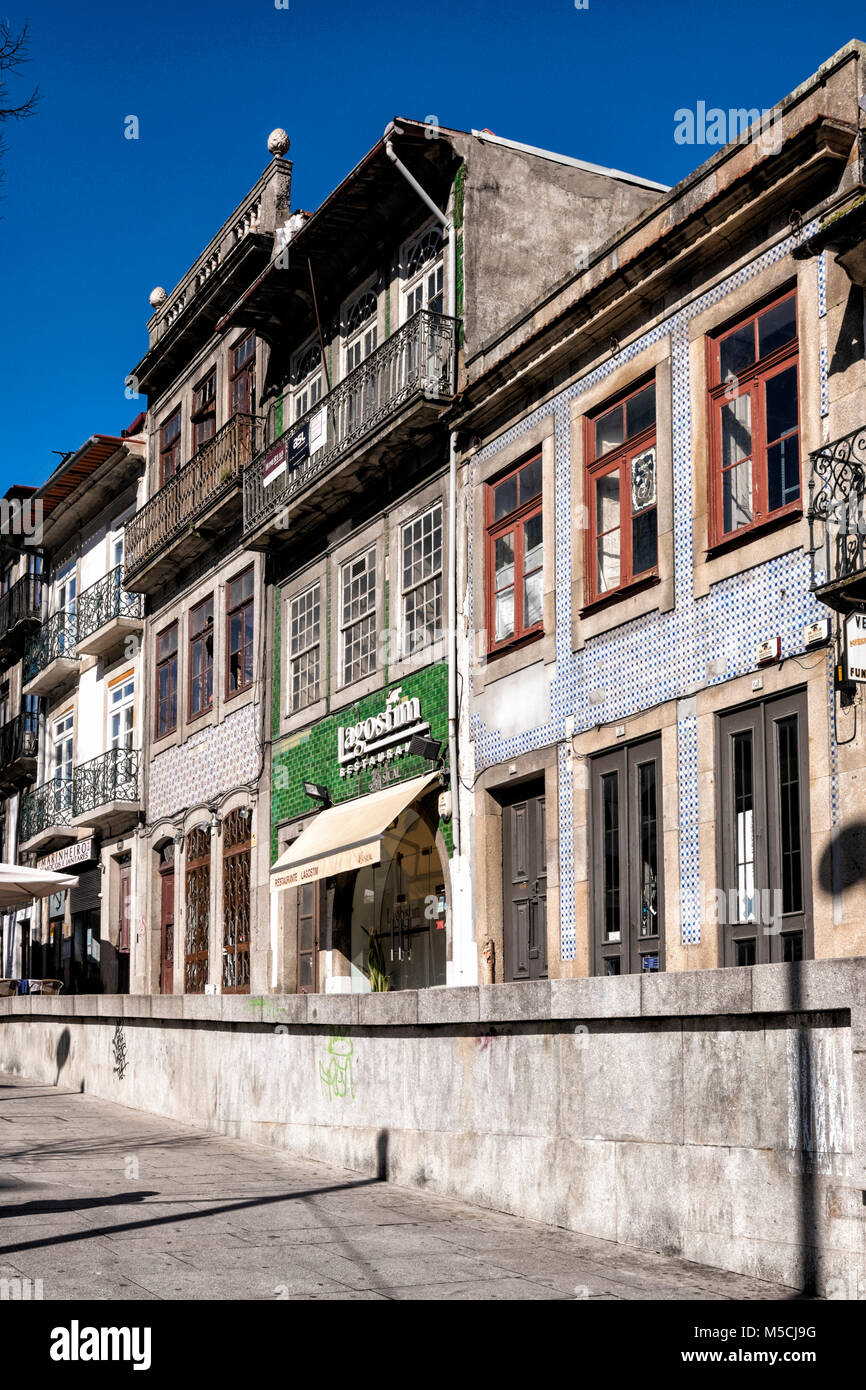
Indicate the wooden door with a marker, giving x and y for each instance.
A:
(166, 933)
(524, 895)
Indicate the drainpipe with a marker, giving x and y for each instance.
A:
(451, 305)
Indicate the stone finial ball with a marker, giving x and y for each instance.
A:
(278, 142)
(158, 296)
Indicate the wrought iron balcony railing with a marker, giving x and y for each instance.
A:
(55, 638)
(104, 600)
(837, 503)
(113, 776)
(46, 808)
(19, 738)
(416, 362)
(210, 473)
(23, 601)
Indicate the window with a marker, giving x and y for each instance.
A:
(169, 447)
(195, 963)
(307, 379)
(358, 617)
(304, 651)
(201, 657)
(421, 580)
(244, 376)
(754, 415)
(237, 845)
(166, 681)
(122, 714)
(627, 906)
(361, 330)
(621, 493)
(764, 908)
(61, 758)
(239, 624)
(514, 554)
(308, 937)
(65, 602)
(204, 410)
(5, 707)
(423, 274)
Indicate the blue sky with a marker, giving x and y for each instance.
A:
(91, 221)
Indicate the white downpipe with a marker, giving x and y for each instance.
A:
(451, 304)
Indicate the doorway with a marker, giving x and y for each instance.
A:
(524, 883)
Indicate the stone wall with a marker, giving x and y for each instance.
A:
(713, 1114)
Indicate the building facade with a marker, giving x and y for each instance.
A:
(667, 769)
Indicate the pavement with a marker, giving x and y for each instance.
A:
(101, 1202)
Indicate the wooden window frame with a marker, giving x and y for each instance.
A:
(192, 640)
(232, 611)
(514, 520)
(159, 664)
(203, 414)
(750, 380)
(246, 368)
(237, 844)
(170, 452)
(618, 459)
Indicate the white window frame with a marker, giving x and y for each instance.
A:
(418, 282)
(406, 590)
(62, 756)
(121, 705)
(296, 655)
(360, 342)
(307, 390)
(346, 626)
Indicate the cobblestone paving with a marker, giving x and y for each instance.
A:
(98, 1201)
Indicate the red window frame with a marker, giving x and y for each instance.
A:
(496, 529)
(237, 607)
(751, 381)
(166, 660)
(243, 375)
(170, 436)
(200, 629)
(204, 410)
(618, 459)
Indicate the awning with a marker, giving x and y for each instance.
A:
(347, 836)
(19, 886)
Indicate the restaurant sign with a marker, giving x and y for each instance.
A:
(70, 856)
(381, 738)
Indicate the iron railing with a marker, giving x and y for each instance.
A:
(837, 500)
(113, 776)
(210, 473)
(55, 638)
(19, 738)
(45, 808)
(23, 602)
(104, 600)
(417, 361)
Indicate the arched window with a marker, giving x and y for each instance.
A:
(426, 249)
(195, 962)
(423, 274)
(237, 843)
(361, 329)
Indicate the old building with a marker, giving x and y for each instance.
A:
(81, 685)
(367, 307)
(667, 770)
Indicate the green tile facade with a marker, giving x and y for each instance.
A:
(311, 754)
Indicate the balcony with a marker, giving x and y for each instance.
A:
(107, 614)
(388, 403)
(201, 501)
(21, 610)
(107, 790)
(19, 744)
(46, 816)
(837, 508)
(50, 661)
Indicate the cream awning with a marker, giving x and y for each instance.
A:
(347, 836)
(19, 886)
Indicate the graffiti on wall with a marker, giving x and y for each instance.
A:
(335, 1075)
(118, 1047)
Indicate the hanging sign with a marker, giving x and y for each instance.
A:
(855, 647)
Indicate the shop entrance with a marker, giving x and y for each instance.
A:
(399, 910)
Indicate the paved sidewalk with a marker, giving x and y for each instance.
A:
(102, 1202)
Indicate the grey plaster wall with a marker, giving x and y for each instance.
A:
(717, 1115)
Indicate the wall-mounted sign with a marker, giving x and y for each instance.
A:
(855, 647)
(815, 633)
(381, 738)
(274, 463)
(770, 650)
(71, 856)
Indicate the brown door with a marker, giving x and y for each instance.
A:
(308, 938)
(124, 929)
(524, 896)
(627, 898)
(166, 933)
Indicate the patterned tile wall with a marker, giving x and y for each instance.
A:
(658, 657)
(210, 763)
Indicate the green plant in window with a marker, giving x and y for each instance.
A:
(380, 980)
